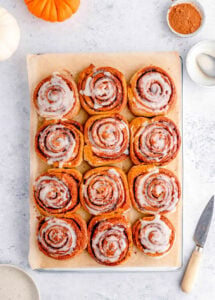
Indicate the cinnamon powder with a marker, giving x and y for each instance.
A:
(184, 18)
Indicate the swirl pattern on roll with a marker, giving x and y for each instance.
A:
(102, 90)
(109, 240)
(154, 235)
(56, 192)
(104, 190)
(56, 96)
(154, 141)
(60, 143)
(154, 190)
(151, 92)
(62, 238)
(107, 139)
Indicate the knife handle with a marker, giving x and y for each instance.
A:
(191, 270)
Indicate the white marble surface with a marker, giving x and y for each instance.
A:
(108, 25)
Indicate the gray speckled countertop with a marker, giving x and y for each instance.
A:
(109, 25)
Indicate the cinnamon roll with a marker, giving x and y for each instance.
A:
(109, 240)
(62, 238)
(56, 97)
(56, 192)
(102, 90)
(151, 92)
(104, 190)
(107, 139)
(153, 190)
(154, 235)
(154, 141)
(60, 143)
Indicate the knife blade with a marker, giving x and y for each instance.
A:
(200, 236)
(203, 224)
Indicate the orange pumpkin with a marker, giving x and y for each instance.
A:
(53, 10)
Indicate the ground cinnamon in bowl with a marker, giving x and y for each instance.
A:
(184, 18)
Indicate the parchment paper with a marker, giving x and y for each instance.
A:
(40, 66)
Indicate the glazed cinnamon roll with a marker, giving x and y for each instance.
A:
(109, 240)
(154, 235)
(60, 143)
(154, 141)
(107, 139)
(153, 190)
(151, 92)
(56, 192)
(102, 90)
(62, 238)
(104, 190)
(56, 97)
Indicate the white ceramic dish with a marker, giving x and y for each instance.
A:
(195, 73)
(200, 9)
(16, 284)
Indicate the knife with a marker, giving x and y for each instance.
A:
(200, 237)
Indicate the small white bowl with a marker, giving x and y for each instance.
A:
(196, 5)
(15, 283)
(193, 70)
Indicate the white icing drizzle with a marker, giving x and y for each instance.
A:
(87, 90)
(114, 239)
(108, 74)
(157, 133)
(154, 92)
(103, 192)
(52, 192)
(112, 136)
(163, 185)
(155, 235)
(57, 149)
(60, 231)
(103, 92)
(114, 172)
(55, 98)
